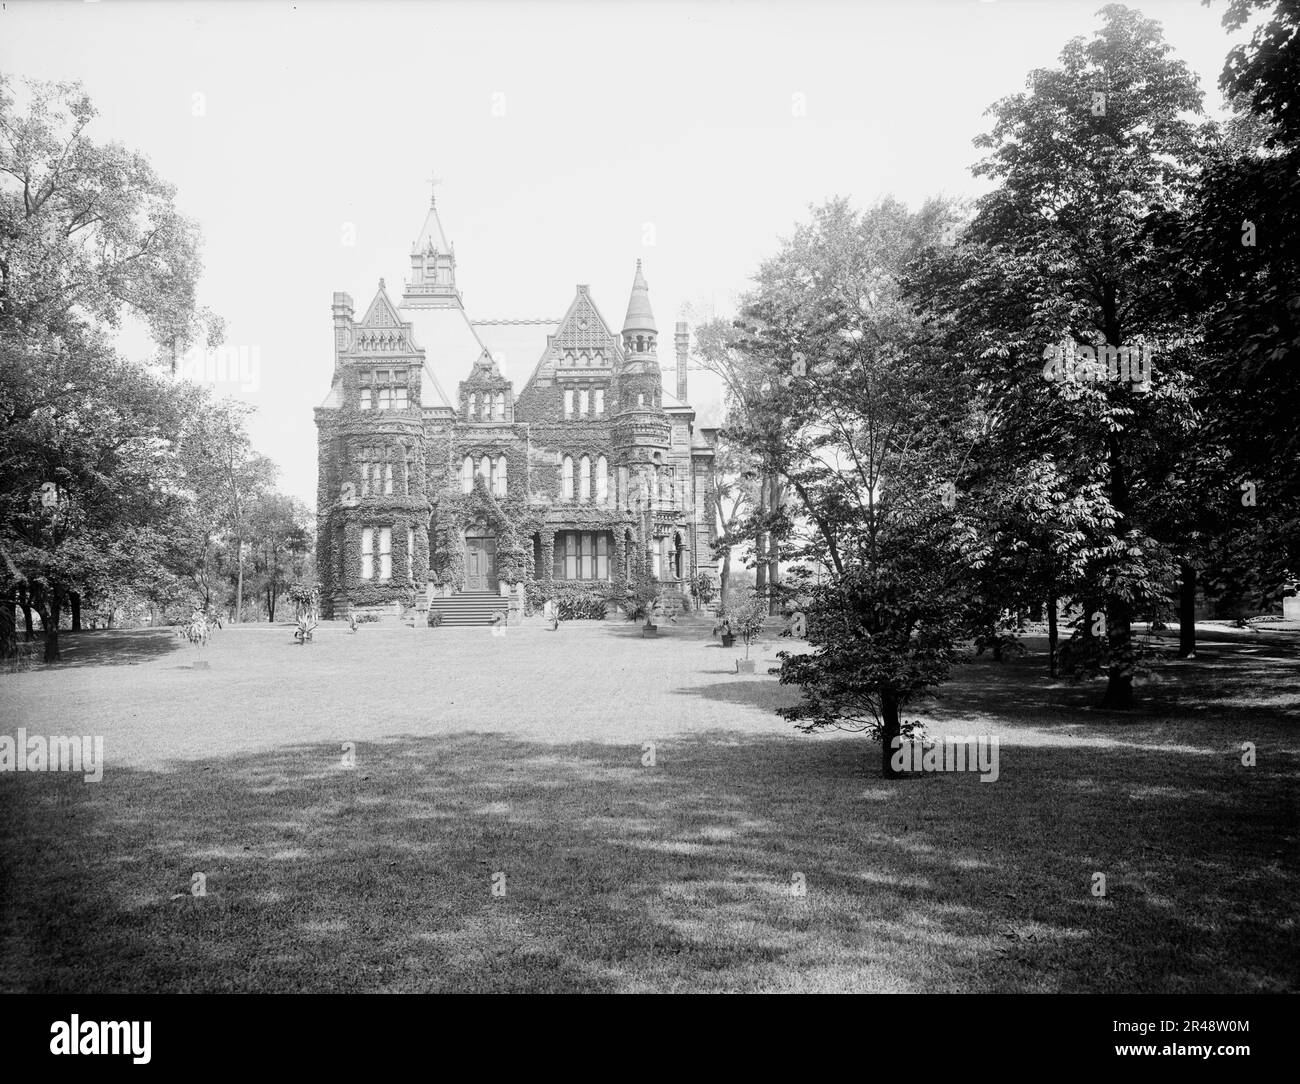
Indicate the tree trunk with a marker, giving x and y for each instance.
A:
(1187, 613)
(8, 626)
(726, 575)
(890, 731)
(773, 553)
(25, 601)
(1119, 631)
(1051, 634)
(51, 605)
(239, 584)
(74, 601)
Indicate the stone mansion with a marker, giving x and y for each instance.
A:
(439, 480)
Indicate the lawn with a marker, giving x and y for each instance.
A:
(518, 765)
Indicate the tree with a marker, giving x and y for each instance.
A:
(91, 494)
(280, 539)
(88, 234)
(1060, 263)
(846, 406)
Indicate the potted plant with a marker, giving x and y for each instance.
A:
(639, 603)
(747, 621)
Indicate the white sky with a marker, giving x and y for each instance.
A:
(617, 115)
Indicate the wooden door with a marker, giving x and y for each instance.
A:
(480, 564)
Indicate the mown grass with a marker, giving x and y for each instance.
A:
(621, 876)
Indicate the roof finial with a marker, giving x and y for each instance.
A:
(381, 282)
(433, 190)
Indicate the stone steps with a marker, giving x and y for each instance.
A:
(469, 607)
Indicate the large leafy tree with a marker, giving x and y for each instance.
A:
(1061, 249)
(854, 417)
(89, 235)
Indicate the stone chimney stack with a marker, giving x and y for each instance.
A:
(682, 339)
(342, 326)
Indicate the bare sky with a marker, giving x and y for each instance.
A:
(571, 139)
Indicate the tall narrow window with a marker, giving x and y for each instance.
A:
(473, 406)
(385, 397)
(365, 473)
(582, 402)
(570, 555)
(385, 553)
(366, 401)
(586, 554)
(388, 479)
(584, 478)
(602, 480)
(568, 402)
(602, 556)
(599, 408)
(567, 477)
(410, 554)
(467, 475)
(376, 476)
(501, 406)
(485, 471)
(399, 397)
(367, 553)
(500, 487)
(487, 407)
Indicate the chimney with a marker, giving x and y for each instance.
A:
(342, 326)
(683, 341)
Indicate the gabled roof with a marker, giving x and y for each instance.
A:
(382, 311)
(582, 327)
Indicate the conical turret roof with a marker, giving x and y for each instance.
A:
(431, 235)
(640, 317)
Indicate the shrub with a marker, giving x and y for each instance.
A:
(580, 606)
(435, 619)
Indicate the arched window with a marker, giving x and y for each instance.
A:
(487, 406)
(473, 406)
(499, 484)
(485, 470)
(500, 406)
(584, 478)
(467, 475)
(602, 480)
(567, 477)
(582, 402)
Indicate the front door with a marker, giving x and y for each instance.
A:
(480, 564)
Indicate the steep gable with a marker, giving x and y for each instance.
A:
(582, 341)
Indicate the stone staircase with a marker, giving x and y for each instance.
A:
(469, 607)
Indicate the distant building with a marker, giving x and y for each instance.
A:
(438, 479)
